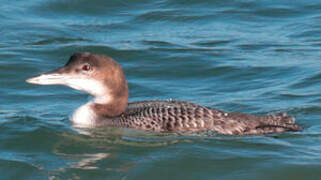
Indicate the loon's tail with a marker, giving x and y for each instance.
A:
(275, 123)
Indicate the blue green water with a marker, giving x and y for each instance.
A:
(245, 56)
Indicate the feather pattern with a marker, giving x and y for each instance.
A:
(182, 116)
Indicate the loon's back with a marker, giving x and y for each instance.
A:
(182, 116)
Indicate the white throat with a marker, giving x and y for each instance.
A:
(84, 116)
(89, 85)
(102, 99)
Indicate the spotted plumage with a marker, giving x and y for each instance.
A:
(182, 116)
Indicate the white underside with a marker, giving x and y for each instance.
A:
(84, 116)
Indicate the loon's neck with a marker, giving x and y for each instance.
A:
(84, 116)
(110, 100)
(94, 111)
(111, 108)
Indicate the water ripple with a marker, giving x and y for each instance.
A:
(251, 56)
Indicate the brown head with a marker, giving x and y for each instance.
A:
(98, 75)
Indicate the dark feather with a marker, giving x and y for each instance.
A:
(182, 116)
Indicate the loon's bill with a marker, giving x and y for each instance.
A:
(50, 78)
(104, 79)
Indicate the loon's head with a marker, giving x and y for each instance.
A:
(98, 75)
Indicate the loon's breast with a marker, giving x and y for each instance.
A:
(182, 116)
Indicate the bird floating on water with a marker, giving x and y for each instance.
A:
(104, 79)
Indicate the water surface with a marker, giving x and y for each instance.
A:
(245, 56)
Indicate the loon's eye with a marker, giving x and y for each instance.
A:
(86, 67)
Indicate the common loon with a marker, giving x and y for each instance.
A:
(104, 79)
